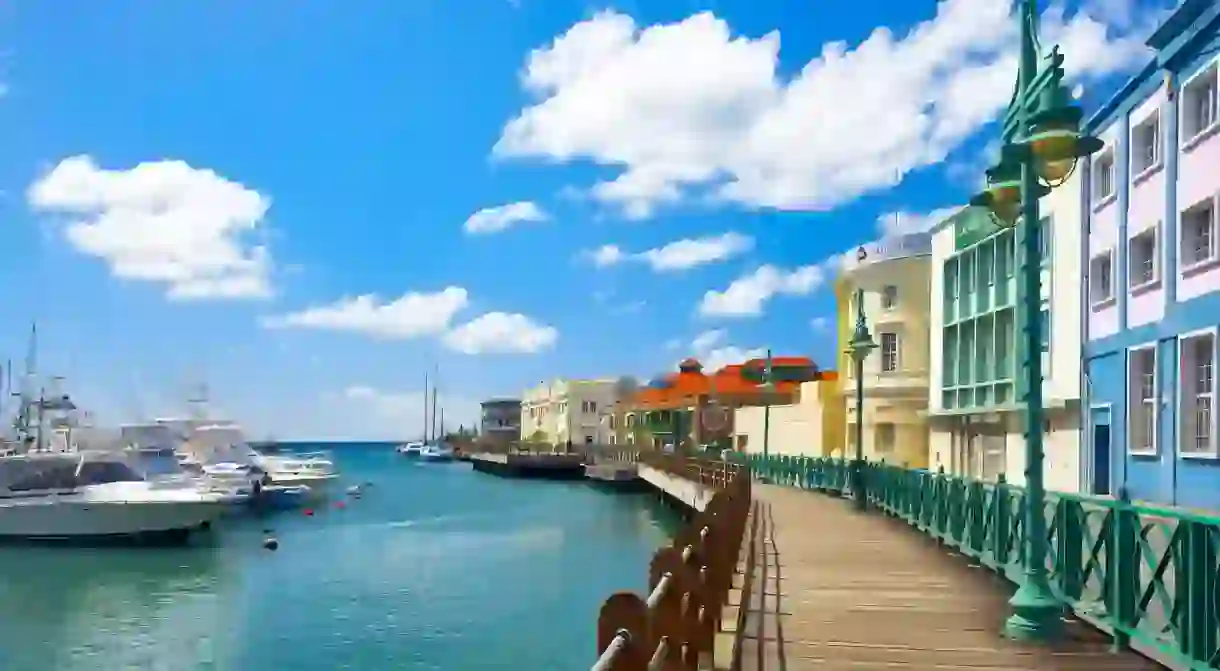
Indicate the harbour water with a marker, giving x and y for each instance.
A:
(435, 567)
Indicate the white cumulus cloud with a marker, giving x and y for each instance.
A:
(680, 254)
(690, 105)
(503, 217)
(163, 221)
(411, 315)
(900, 223)
(501, 333)
(714, 352)
(746, 296)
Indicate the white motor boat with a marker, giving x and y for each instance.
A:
(88, 496)
(315, 470)
(411, 450)
(436, 452)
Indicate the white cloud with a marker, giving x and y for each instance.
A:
(900, 223)
(747, 294)
(712, 350)
(819, 324)
(400, 414)
(503, 217)
(409, 316)
(163, 221)
(688, 104)
(678, 255)
(606, 255)
(501, 333)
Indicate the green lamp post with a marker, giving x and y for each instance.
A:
(859, 348)
(1042, 145)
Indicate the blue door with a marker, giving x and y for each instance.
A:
(1101, 451)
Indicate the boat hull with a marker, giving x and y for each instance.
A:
(95, 521)
(317, 484)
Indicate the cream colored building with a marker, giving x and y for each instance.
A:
(893, 276)
(561, 410)
(974, 397)
(812, 426)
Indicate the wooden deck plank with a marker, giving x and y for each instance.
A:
(838, 590)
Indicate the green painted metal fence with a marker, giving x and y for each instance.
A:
(1146, 575)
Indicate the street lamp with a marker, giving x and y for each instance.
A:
(859, 348)
(1042, 145)
(768, 386)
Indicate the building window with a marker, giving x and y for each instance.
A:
(1199, 105)
(889, 297)
(742, 443)
(1199, 226)
(1101, 278)
(1103, 177)
(588, 407)
(1142, 406)
(1198, 394)
(884, 437)
(1145, 266)
(1045, 226)
(1146, 145)
(613, 439)
(889, 352)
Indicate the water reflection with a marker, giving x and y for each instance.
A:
(107, 609)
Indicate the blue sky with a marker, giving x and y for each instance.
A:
(202, 192)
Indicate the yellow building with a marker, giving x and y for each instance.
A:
(894, 277)
(811, 425)
(562, 410)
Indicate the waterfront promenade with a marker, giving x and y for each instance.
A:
(912, 583)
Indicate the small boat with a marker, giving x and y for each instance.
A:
(436, 452)
(410, 450)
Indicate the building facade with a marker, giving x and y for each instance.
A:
(560, 411)
(811, 425)
(500, 421)
(975, 411)
(1153, 292)
(893, 275)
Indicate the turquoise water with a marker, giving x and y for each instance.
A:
(436, 567)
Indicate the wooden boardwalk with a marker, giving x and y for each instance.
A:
(849, 591)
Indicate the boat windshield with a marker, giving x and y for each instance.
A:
(19, 475)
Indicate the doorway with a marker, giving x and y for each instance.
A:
(1100, 442)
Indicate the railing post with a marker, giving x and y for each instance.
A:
(1070, 551)
(1000, 521)
(1196, 571)
(1123, 569)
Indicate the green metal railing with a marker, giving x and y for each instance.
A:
(1145, 575)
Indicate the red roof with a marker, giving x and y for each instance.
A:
(684, 387)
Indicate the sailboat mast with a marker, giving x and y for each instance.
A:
(424, 430)
(435, 383)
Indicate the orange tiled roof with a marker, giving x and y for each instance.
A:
(684, 387)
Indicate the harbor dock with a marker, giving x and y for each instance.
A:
(535, 466)
(616, 476)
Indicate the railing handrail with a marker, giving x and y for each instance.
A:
(674, 626)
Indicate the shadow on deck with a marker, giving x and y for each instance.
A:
(841, 590)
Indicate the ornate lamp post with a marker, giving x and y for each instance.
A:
(1042, 144)
(859, 348)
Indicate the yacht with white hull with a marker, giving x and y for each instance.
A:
(95, 496)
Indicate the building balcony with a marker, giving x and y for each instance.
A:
(900, 383)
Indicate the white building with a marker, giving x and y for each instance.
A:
(562, 410)
(810, 426)
(974, 402)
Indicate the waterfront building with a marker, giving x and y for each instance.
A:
(975, 414)
(563, 410)
(1153, 290)
(811, 423)
(500, 421)
(894, 277)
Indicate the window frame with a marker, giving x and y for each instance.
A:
(1210, 70)
(1157, 251)
(889, 299)
(1214, 202)
(897, 351)
(1154, 449)
(1213, 452)
(1111, 297)
(1158, 161)
(1107, 155)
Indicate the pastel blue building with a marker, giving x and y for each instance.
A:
(1151, 302)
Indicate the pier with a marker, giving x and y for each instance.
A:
(920, 579)
(537, 466)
